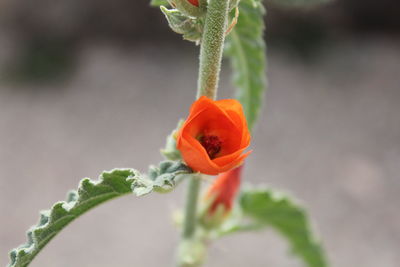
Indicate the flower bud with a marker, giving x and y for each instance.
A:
(220, 197)
(189, 8)
(194, 2)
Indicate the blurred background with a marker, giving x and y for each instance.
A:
(87, 86)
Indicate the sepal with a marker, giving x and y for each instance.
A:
(213, 220)
(189, 27)
(188, 9)
(170, 151)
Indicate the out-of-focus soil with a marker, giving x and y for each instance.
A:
(329, 134)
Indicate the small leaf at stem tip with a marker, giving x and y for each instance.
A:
(189, 27)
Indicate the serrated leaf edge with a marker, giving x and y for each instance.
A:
(282, 196)
(168, 174)
(34, 243)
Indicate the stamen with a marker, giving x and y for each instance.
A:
(212, 144)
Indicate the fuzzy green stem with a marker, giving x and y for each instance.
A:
(211, 49)
(210, 65)
(188, 253)
(191, 207)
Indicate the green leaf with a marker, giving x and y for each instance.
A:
(115, 183)
(278, 211)
(161, 179)
(245, 48)
(159, 3)
(191, 28)
(89, 194)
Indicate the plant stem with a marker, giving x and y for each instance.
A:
(211, 49)
(210, 65)
(191, 206)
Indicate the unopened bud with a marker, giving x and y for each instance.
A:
(190, 8)
(220, 197)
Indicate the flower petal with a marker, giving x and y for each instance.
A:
(223, 120)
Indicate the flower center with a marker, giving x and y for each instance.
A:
(212, 144)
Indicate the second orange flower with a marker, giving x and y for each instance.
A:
(214, 136)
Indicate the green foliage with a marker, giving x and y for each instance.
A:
(188, 9)
(189, 27)
(89, 194)
(115, 183)
(170, 151)
(161, 179)
(245, 48)
(159, 3)
(278, 211)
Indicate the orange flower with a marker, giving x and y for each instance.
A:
(224, 189)
(194, 2)
(214, 136)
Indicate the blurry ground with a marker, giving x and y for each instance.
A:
(329, 134)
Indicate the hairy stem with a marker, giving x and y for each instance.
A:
(191, 206)
(210, 65)
(211, 49)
